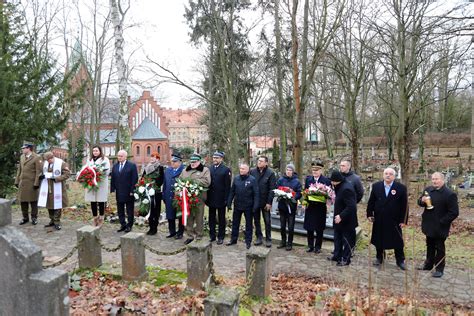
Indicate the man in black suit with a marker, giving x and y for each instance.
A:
(387, 209)
(124, 178)
(217, 196)
(345, 219)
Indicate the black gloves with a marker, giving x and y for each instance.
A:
(41, 177)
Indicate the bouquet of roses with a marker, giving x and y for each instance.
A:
(90, 176)
(318, 192)
(143, 193)
(187, 194)
(285, 193)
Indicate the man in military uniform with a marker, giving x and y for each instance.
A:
(27, 182)
(53, 194)
(201, 174)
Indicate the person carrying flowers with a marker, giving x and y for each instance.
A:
(315, 201)
(288, 192)
(94, 177)
(154, 173)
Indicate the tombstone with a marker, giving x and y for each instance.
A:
(222, 301)
(89, 251)
(133, 257)
(25, 288)
(199, 265)
(260, 278)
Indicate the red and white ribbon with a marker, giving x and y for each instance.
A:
(184, 206)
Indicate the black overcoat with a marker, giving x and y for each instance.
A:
(436, 222)
(345, 205)
(315, 214)
(388, 212)
(123, 183)
(218, 192)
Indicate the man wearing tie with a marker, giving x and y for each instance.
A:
(217, 195)
(124, 178)
(387, 209)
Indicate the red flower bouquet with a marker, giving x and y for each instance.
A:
(90, 177)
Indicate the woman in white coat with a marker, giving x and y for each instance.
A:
(98, 197)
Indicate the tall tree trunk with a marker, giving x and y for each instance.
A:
(279, 82)
(123, 134)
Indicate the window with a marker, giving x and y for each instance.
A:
(159, 149)
(148, 151)
(138, 151)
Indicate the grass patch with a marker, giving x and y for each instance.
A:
(159, 277)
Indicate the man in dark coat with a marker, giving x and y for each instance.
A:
(124, 178)
(171, 173)
(345, 219)
(387, 208)
(244, 193)
(436, 221)
(217, 196)
(316, 209)
(266, 183)
(345, 168)
(27, 182)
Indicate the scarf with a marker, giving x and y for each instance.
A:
(152, 167)
(57, 189)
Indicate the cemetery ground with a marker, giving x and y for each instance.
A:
(301, 283)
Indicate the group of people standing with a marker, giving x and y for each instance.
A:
(41, 182)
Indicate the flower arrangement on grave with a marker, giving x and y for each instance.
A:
(318, 192)
(187, 195)
(91, 175)
(144, 193)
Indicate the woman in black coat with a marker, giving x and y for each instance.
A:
(315, 213)
(154, 171)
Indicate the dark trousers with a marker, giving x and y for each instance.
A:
(101, 206)
(435, 253)
(399, 255)
(155, 212)
(319, 239)
(121, 213)
(287, 219)
(236, 217)
(172, 225)
(258, 226)
(213, 221)
(34, 209)
(55, 216)
(344, 243)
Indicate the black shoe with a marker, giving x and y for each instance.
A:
(258, 242)
(171, 235)
(58, 227)
(310, 249)
(317, 250)
(289, 247)
(248, 245)
(268, 243)
(437, 274)
(128, 229)
(121, 229)
(402, 266)
(232, 242)
(377, 263)
(151, 232)
(188, 241)
(212, 239)
(34, 221)
(424, 267)
(331, 258)
(178, 237)
(342, 263)
(24, 221)
(220, 241)
(281, 246)
(51, 224)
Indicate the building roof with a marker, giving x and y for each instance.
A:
(148, 130)
(183, 118)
